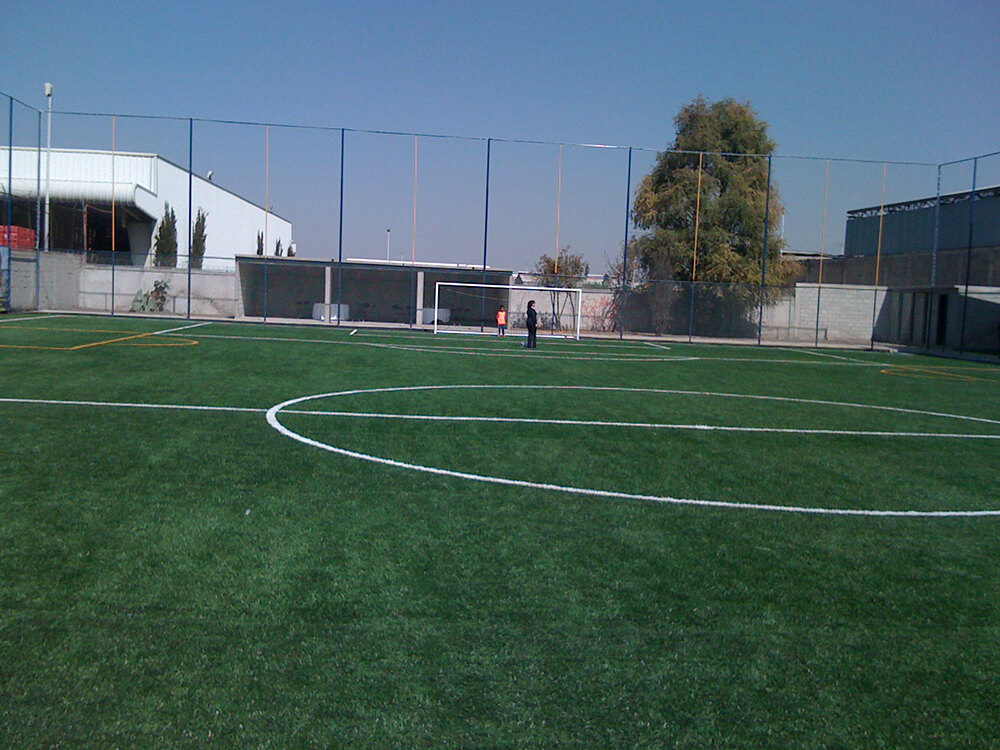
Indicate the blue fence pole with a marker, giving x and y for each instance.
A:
(190, 233)
(763, 267)
(486, 234)
(968, 254)
(38, 216)
(10, 198)
(628, 207)
(340, 233)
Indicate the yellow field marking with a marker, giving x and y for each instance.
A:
(42, 348)
(68, 330)
(131, 337)
(932, 373)
(112, 341)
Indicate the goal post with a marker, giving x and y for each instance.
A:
(462, 307)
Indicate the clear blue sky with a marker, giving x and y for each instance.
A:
(909, 81)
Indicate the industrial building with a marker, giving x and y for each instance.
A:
(109, 206)
(956, 221)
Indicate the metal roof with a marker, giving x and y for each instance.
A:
(78, 175)
(920, 203)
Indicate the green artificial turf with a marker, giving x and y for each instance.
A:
(193, 578)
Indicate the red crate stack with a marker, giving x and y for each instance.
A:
(19, 238)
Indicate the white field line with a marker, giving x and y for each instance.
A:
(447, 350)
(534, 355)
(272, 419)
(271, 415)
(815, 353)
(846, 361)
(557, 341)
(32, 318)
(663, 391)
(656, 346)
(642, 425)
(509, 420)
(180, 328)
(130, 405)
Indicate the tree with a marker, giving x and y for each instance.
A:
(277, 248)
(260, 243)
(566, 269)
(713, 180)
(622, 283)
(165, 244)
(198, 238)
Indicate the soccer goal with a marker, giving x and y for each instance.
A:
(472, 308)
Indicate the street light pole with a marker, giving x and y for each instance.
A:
(387, 235)
(48, 165)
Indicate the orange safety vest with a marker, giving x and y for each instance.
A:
(501, 317)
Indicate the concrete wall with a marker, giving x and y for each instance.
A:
(213, 293)
(845, 312)
(65, 282)
(53, 283)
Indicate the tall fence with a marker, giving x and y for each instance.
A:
(94, 192)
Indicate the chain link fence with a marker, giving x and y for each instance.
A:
(190, 217)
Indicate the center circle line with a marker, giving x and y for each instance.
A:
(274, 422)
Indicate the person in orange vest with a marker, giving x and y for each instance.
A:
(502, 321)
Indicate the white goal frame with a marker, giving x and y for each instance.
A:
(510, 288)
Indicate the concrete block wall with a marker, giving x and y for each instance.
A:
(845, 311)
(44, 280)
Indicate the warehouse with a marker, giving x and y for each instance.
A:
(926, 225)
(109, 205)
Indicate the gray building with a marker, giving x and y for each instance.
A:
(909, 228)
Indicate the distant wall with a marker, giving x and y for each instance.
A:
(213, 293)
(65, 282)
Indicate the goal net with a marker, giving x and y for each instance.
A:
(472, 308)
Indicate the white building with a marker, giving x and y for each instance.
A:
(85, 188)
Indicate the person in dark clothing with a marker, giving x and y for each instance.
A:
(531, 320)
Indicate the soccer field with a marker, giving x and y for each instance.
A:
(236, 535)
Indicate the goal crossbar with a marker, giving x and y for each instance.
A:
(578, 293)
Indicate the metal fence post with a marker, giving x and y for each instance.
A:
(624, 287)
(190, 232)
(763, 267)
(340, 234)
(968, 255)
(486, 227)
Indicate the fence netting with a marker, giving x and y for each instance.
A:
(191, 217)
